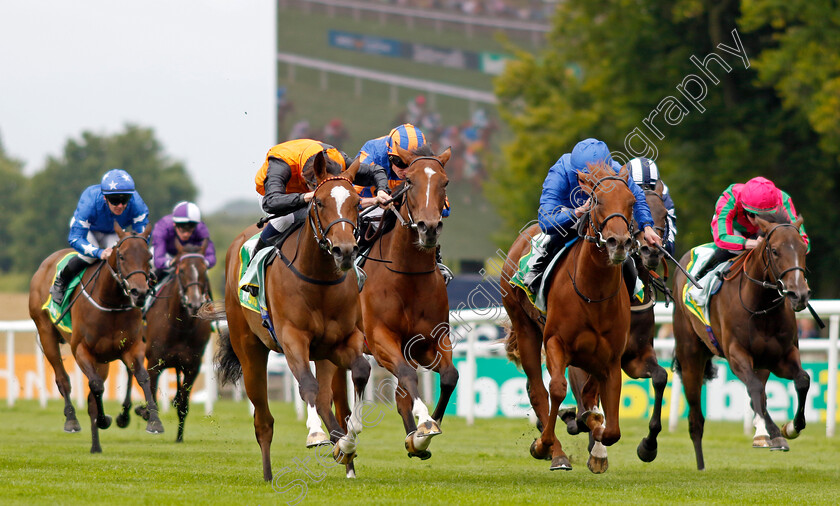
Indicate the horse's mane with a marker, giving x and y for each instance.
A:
(192, 248)
(779, 216)
(424, 150)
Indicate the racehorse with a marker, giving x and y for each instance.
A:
(587, 319)
(405, 304)
(639, 358)
(107, 325)
(753, 320)
(174, 336)
(315, 311)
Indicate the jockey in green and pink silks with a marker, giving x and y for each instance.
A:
(733, 225)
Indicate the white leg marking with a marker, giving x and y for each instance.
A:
(599, 451)
(313, 421)
(760, 428)
(421, 412)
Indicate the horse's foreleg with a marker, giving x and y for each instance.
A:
(791, 368)
(50, 338)
(604, 428)
(297, 356)
(136, 356)
(448, 378)
(530, 353)
(96, 374)
(253, 356)
(556, 363)
(646, 366)
(125, 415)
(183, 398)
(741, 364)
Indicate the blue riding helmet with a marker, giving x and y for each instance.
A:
(116, 181)
(589, 151)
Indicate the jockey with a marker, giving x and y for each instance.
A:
(92, 227)
(382, 154)
(734, 227)
(562, 202)
(646, 174)
(286, 183)
(183, 226)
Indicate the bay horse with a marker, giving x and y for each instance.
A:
(107, 325)
(754, 322)
(639, 358)
(315, 311)
(587, 319)
(405, 304)
(175, 338)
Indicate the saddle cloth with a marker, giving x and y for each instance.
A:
(54, 309)
(527, 262)
(697, 300)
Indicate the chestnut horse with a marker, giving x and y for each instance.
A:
(107, 325)
(587, 319)
(405, 304)
(639, 358)
(174, 336)
(753, 320)
(314, 307)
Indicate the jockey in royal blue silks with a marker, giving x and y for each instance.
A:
(381, 153)
(646, 174)
(92, 227)
(562, 202)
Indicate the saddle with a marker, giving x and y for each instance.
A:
(60, 315)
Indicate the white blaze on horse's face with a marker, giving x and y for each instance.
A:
(340, 194)
(429, 172)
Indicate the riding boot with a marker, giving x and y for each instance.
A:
(59, 289)
(630, 275)
(444, 270)
(721, 255)
(534, 276)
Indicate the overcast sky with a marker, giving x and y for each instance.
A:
(198, 72)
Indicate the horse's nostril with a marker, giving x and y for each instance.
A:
(611, 242)
(336, 251)
(439, 227)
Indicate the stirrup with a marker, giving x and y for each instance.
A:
(446, 272)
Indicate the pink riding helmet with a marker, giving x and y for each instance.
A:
(760, 195)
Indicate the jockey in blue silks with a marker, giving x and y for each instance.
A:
(562, 202)
(92, 227)
(382, 153)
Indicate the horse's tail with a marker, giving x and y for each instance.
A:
(213, 310)
(512, 345)
(709, 373)
(227, 363)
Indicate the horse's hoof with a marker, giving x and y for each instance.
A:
(539, 454)
(567, 416)
(789, 431)
(122, 420)
(597, 465)
(779, 444)
(317, 439)
(560, 463)
(72, 426)
(154, 427)
(428, 429)
(646, 454)
(418, 449)
(95, 449)
(592, 417)
(761, 442)
(104, 422)
(341, 457)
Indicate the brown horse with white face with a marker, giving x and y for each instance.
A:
(314, 307)
(175, 338)
(587, 319)
(639, 358)
(405, 304)
(753, 319)
(107, 326)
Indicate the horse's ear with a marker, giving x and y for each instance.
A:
(763, 224)
(179, 248)
(587, 182)
(405, 155)
(119, 230)
(353, 169)
(799, 221)
(146, 233)
(624, 172)
(319, 167)
(204, 245)
(659, 188)
(444, 157)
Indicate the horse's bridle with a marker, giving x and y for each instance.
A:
(403, 195)
(769, 265)
(182, 288)
(317, 225)
(662, 231)
(598, 238)
(122, 280)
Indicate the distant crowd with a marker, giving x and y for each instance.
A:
(525, 10)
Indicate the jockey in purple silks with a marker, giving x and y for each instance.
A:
(184, 226)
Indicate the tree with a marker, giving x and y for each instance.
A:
(53, 193)
(11, 202)
(614, 70)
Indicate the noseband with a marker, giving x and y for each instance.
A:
(122, 279)
(598, 238)
(317, 225)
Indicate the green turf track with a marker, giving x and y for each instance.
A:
(485, 464)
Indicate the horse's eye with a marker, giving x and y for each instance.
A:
(774, 251)
(446, 184)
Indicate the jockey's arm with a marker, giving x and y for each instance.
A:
(277, 201)
(371, 174)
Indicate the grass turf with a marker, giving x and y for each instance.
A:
(488, 463)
